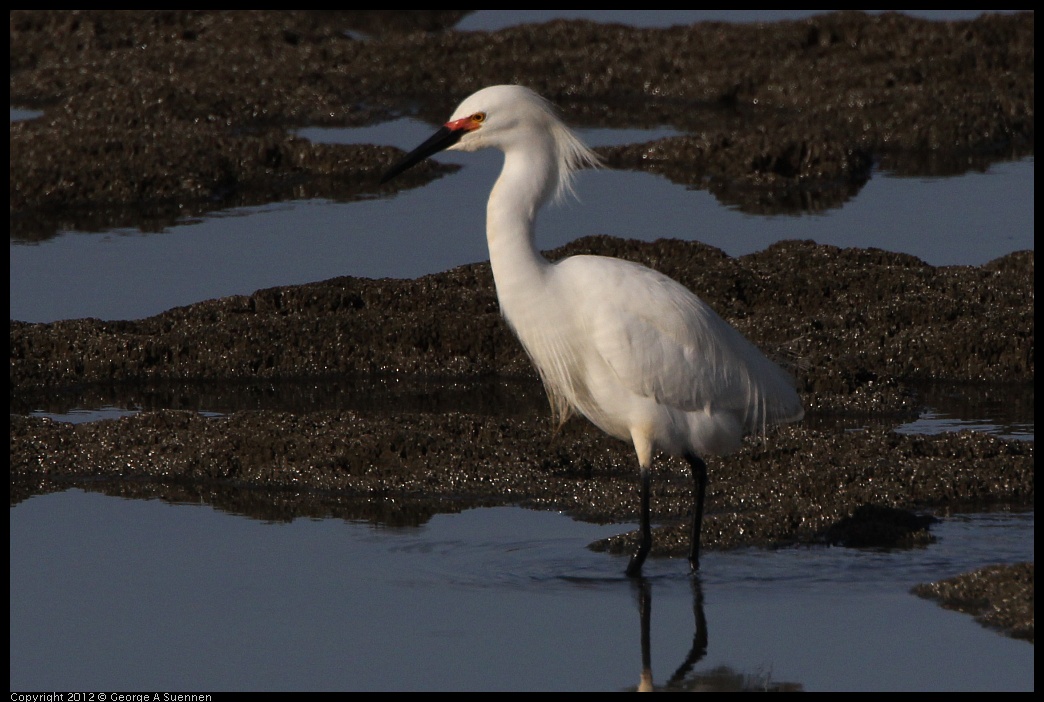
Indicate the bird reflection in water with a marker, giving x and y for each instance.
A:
(719, 679)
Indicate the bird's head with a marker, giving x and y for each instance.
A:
(505, 117)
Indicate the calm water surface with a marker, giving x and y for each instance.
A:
(128, 274)
(113, 594)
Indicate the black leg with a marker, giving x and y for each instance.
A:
(699, 478)
(634, 568)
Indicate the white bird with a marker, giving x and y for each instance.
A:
(627, 347)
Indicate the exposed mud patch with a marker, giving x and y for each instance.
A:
(1000, 597)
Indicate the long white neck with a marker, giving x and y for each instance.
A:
(529, 177)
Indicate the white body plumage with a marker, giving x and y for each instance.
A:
(632, 350)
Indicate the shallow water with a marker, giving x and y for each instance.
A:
(113, 594)
(125, 274)
(491, 20)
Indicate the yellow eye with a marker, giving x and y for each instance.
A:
(478, 117)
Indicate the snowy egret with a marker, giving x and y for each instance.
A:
(627, 347)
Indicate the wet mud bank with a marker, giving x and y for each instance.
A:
(153, 116)
(150, 116)
(997, 596)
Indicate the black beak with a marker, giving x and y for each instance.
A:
(442, 139)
